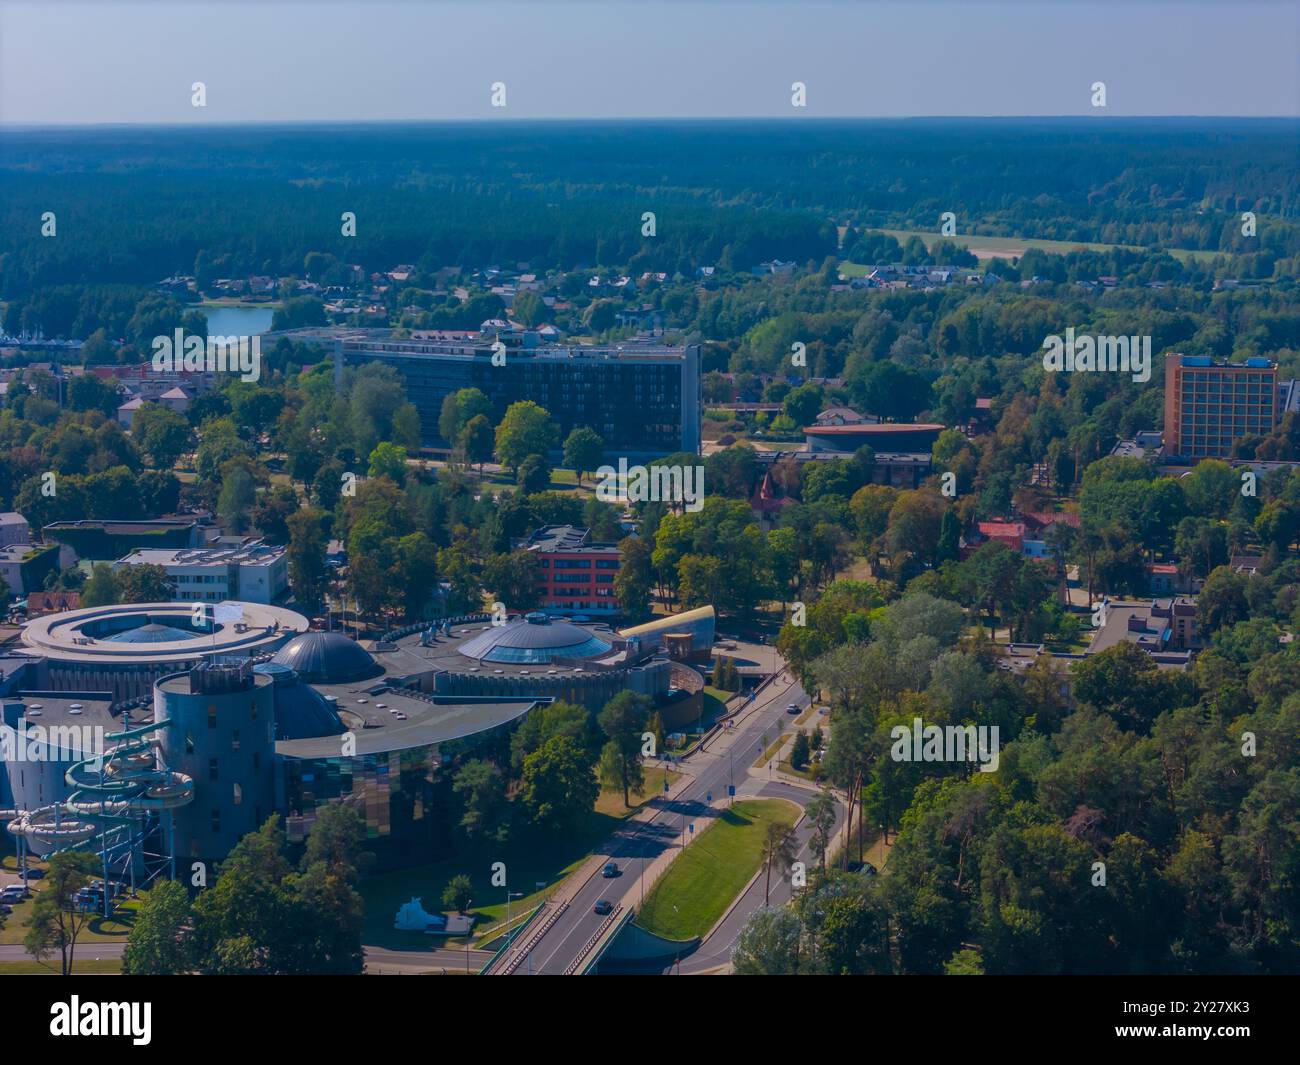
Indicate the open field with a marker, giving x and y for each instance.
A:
(985, 247)
(708, 875)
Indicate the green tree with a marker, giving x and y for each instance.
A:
(583, 450)
(482, 793)
(477, 441)
(513, 578)
(533, 475)
(459, 409)
(458, 894)
(634, 582)
(769, 944)
(821, 814)
(623, 719)
(779, 849)
(144, 583)
(559, 787)
(388, 460)
(162, 433)
(56, 922)
(308, 541)
(525, 430)
(235, 503)
(158, 943)
(101, 586)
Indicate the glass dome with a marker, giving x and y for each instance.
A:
(534, 640)
(151, 633)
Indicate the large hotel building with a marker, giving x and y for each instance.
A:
(1210, 405)
(643, 399)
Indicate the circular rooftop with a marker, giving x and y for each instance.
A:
(533, 639)
(327, 658)
(129, 635)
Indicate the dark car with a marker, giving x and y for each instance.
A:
(604, 906)
(792, 709)
(610, 870)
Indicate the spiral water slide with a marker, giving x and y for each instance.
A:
(115, 794)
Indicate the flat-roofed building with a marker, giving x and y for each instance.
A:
(890, 437)
(643, 399)
(574, 573)
(251, 573)
(1210, 405)
(104, 541)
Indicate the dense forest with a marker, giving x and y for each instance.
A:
(142, 205)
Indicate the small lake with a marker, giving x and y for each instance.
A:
(237, 321)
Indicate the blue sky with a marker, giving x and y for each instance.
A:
(332, 60)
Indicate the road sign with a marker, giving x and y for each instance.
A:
(692, 828)
(731, 789)
(708, 796)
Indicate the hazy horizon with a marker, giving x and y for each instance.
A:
(72, 64)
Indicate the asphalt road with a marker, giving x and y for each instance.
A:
(636, 844)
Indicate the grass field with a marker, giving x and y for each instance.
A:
(528, 864)
(113, 929)
(708, 875)
(80, 966)
(1010, 247)
(610, 800)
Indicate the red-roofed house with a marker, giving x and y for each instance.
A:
(1011, 533)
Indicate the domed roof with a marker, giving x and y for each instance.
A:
(301, 712)
(533, 639)
(151, 633)
(327, 658)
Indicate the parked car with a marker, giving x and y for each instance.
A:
(610, 870)
(604, 906)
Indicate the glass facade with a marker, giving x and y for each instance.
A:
(636, 401)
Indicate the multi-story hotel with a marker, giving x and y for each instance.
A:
(1210, 405)
(643, 399)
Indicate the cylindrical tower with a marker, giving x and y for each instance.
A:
(220, 731)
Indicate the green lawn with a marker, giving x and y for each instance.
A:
(113, 929)
(528, 863)
(610, 800)
(716, 696)
(708, 875)
(50, 967)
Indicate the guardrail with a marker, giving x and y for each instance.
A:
(608, 931)
(535, 937)
(511, 936)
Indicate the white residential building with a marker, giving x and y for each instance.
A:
(250, 573)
